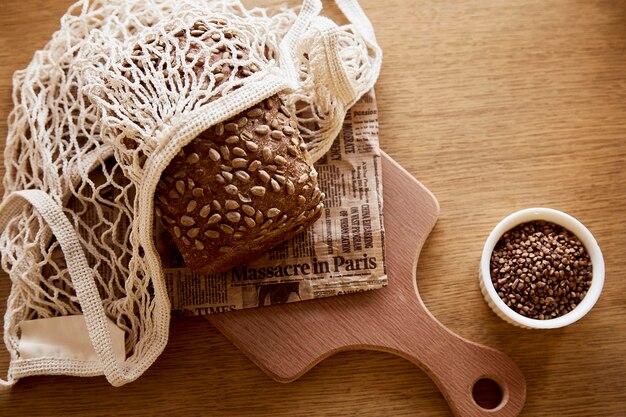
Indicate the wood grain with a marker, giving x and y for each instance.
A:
(494, 106)
(287, 341)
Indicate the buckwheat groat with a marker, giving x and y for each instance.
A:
(239, 188)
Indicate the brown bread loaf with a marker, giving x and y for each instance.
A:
(238, 189)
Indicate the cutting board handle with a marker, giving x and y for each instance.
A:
(453, 363)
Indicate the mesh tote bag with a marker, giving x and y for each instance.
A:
(98, 114)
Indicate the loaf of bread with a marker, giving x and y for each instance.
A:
(240, 188)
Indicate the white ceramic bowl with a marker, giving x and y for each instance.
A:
(569, 223)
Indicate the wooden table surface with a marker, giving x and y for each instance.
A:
(495, 106)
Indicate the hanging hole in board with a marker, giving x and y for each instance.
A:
(487, 393)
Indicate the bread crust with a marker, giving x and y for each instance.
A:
(240, 188)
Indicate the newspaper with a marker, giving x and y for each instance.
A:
(343, 252)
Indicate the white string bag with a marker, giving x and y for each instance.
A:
(101, 111)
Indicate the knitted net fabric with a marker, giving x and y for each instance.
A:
(98, 115)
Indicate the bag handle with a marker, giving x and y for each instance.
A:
(355, 14)
(79, 270)
(362, 25)
(333, 67)
(311, 8)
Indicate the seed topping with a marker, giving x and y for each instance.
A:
(193, 158)
(187, 220)
(255, 112)
(225, 152)
(254, 165)
(231, 140)
(258, 191)
(265, 177)
(267, 154)
(237, 151)
(262, 129)
(214, 155)
(231, 127)
(275, 185)
(180, 186)
(249, 210)
(227, 176)
(205, 210)
(212, 234)
(273, 212)
(239, 163)
(191, 206)
(231, 189)
(219, 129)
(242, 176)
(233, 216)
(231, 205)
(215, 218)
(291, 189)
(252, 147)
(227, 229)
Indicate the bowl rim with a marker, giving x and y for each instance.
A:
(568, 222)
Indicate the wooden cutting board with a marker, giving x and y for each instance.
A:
(286, 341)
